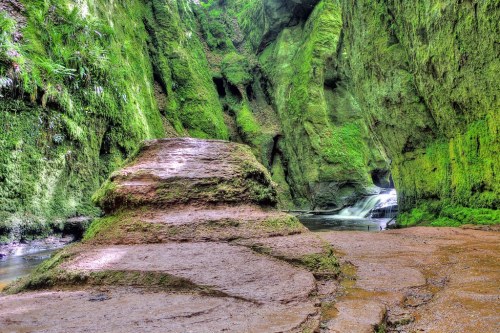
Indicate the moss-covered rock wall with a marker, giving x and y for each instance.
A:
(329, 150)
(426, 75)
(329, 94)
(81, 84)
(291, 102)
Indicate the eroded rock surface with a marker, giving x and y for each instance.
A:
(188, 171)
(233, 270)
(134, 310)
(162, 261)
(428, 279)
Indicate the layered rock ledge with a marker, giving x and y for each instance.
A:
(179, 249)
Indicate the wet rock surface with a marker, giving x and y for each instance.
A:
(232, 270)
(134, 310)
(428, 279)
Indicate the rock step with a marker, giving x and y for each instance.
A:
(127, 310)
(194, 223)
(232, 270)
(185, 170)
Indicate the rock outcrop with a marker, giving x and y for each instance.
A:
(186, 219)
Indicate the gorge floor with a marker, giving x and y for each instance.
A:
(411, 280)
(192, 241)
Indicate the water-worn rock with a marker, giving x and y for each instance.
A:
(117, 277)
(181, 171)
(232, 270)
(190, 189)
(360, 316)
(429, 279)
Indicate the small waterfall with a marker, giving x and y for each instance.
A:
(380, 205)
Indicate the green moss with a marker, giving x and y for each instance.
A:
(52, 277)
(82, 89)
(326, 139)
(285, 200)
(180, 61)
(422, 71)
(102, 225)
(286, 222)
(91, 101)
(441, 214)
(322, 264)
(236, 68)
(382, 328)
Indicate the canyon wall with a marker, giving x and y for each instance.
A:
(330, 95)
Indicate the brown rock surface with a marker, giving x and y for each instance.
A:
(429, 279)
(161, 262)
(134, 310)
(233, 270)
(195, 223)
(188, 171)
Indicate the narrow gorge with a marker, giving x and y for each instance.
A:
(180, 140)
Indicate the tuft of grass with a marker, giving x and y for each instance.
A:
(322, 264)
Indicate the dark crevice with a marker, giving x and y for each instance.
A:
(219, 84)
(382, 178)
(332, 83)
(105, 148)
(250, 92)
(423, 36)
(275, 150)
(475, 17)
(458, 108)
(235, 91)
(300, 12)
(264, 86)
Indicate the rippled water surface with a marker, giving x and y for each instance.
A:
(19, 260)
(342, 223)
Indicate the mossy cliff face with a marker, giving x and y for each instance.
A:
(426, 75)
(290, 102)
(81, 84)
(326, 93)
(327, 146)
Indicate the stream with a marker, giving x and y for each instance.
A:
(18, 260)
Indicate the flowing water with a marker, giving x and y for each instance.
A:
(19, 260)
(371, 213)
